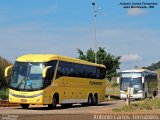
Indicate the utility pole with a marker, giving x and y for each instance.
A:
(95, 40)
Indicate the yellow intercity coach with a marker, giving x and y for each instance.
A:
(46, 79)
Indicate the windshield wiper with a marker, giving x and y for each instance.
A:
(21, 82)
(30, 85)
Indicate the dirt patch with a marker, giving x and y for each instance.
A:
(5, 103)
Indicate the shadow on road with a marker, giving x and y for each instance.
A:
(63, 108)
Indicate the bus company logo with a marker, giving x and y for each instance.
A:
(95, 83)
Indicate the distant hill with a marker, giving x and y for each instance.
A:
(3, 64)
(153, 66)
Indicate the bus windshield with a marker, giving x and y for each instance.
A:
(135, 82)
(27, 76)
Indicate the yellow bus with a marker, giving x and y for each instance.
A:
(46, 79)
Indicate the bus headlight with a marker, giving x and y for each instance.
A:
(140, 91)
(26, 96)
(36, 95)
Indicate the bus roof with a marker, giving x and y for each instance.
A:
(137, 70)
(49, 57)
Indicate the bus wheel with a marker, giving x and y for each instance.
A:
(153, 95)
(25, 106)
(90, 99)
(54, 103)
(145, 95)
(95, 99)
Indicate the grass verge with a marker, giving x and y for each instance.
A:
(112, 94)
(147, 104)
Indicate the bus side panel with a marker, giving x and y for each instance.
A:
(77, 90)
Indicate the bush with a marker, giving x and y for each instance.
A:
(114, 84)
(3, 64)
(4, 92)
(125, 108)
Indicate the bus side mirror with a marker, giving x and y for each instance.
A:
(142, 79)
(44, 73)
(118, 79)
(6, 72)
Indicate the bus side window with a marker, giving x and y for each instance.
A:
(69, 69)
(102, 73)
(84, 73)
(61, 69)
(89, 71)
(93, 72)
(98, 73)
(51, 70)
(49, 77)
(76, 71)
(72, 69)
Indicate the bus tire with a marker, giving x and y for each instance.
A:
(25, 106)
(90, 100)
(54, 103)
(145, 95)
(95, 99)
(153, 95)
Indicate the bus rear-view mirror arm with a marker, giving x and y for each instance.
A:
(6, 72)
(142, 79)
(44, 73)
(118, 79)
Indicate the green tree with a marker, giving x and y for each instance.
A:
(111, 62)
(3, 81)
(90, 55)
(114, 84)
(3, 64)
(4, 92)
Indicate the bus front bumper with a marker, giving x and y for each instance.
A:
(133, 96)
(24, 99)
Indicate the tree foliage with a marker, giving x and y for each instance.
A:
(114, 84)
(111, 62)
(4, 93)
(3, 64)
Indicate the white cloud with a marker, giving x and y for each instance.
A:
(131, 58)
(135, 11)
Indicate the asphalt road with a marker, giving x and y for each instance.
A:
(75, 109)
(71, 113)
(75, 112)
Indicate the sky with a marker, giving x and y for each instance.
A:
(62, 26)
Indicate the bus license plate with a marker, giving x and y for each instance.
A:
(23, 100)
